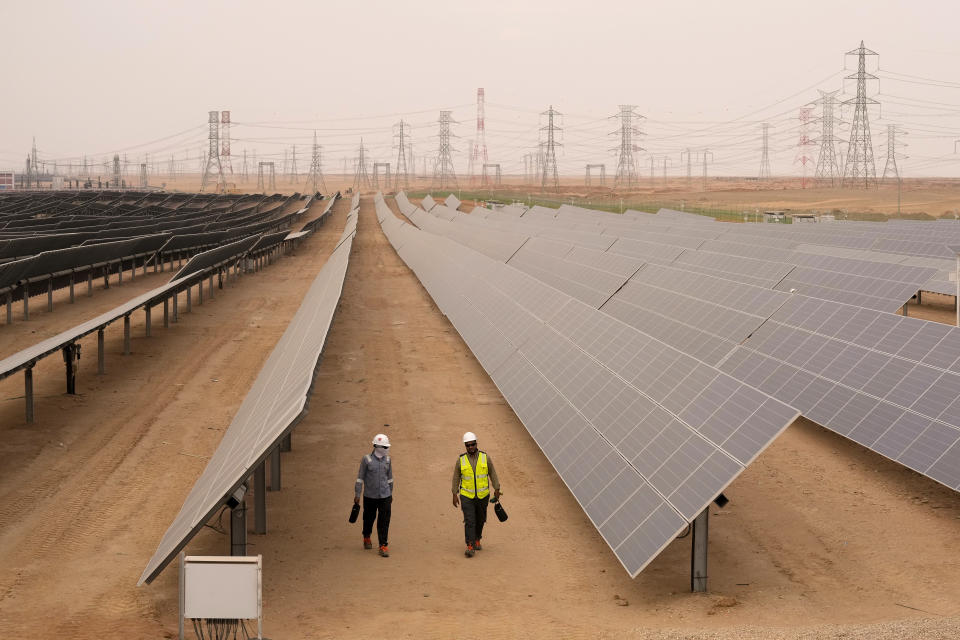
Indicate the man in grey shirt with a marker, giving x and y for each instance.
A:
(375, 482)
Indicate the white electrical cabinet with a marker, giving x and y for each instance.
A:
(221, 587)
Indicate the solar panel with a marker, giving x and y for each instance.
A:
(452, 202)
(602, 400)
(276, 399)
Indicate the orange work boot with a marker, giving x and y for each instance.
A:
(367, 543)
(469, 552)
(477, 546)
(384, 552)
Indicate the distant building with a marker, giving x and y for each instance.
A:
(803, 217)
(774, 216)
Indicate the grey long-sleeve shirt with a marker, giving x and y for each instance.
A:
(375, 477)
(494, 480)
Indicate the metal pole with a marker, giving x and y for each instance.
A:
(275, 469)
(50, 294)
(126, 335)
(26, 299)
(211, 286)
(189, 301)
(71, 287)
(286, 443)
(9, 307)
(90, 283)
(200, 292)
(146, 313)
(120, 272)
(166, 313)
(698, 557)
(238, 529)
(176, 312)
(28, 392)
(260, 498)
(182, 603)
(100, 353)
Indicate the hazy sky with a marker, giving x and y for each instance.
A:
(139, 77)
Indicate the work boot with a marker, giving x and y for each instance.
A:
(367, 543)
(384, 552)
(469, 552)
(477, 546)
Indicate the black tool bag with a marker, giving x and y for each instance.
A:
(354, 512)
(499, 510)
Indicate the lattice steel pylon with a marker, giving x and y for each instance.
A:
(225, 141)
(765, 158)
(478, 155)
(444, 175)
(401, 177)
(891, 165)
(549, 169)
(117, 178)
(804, 143)
(828, 170)
(246, 173)
(316, 180)
(212, 164)
(271, 178)
(626, 166)
(292, 177)
(361, 179)
(860, 169)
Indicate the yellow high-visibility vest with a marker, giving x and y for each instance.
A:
(471, 487)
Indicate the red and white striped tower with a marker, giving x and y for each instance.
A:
(479, 156)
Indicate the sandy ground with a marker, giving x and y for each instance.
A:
(822, 538)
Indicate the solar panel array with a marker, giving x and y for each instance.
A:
(644, 436)
(275, 402)
(886, 381)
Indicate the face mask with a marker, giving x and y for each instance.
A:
(379, 452)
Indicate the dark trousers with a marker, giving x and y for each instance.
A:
(474, 517)
(377, 509)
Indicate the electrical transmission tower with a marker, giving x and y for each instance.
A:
(401, 175)
(891, 165)
(478, 155)
(860, 169)
(361, 179)
(293, 166)
(225, 141)
(827, 167)
(212, 164)
(549, 168)
(804, 143)
(117, 179)
(316, 180)
(246, 174)
(765, 158)
(443, 173)
(626, 167)
(705, 154)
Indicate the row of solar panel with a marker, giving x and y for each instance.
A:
(644, 436)
(275, 402)
(895, 378)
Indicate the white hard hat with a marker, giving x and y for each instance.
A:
(381, 440)
(469, 436)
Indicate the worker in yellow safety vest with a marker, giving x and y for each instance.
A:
(473, 474)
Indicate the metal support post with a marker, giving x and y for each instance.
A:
(260, 498)
(275, 469)
(100, 353)
(189, 301)
(238, 529)
(106, 277)
(200, 292)
(211, 286)
(9, 307)
(71, 288)
(28, 392)
(146, 314)
(144, 266)
(90, 283)
(71, 354)
(286, 443)
(26, 300)
(166, 313)
(903, 310)
(120, 272)
(698, 557)
(126, 335)
(176, 310)
(50, 294)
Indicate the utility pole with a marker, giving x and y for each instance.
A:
(401, 137)
(689, 155)
(316, 180)
(246, 174)
(765, 158)
(444, 175)
(550, 155)
(666, 159)
(626, 167)
(860, 169)
(117, 178)
(827, 168)
(212, 164)
(293, 166)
